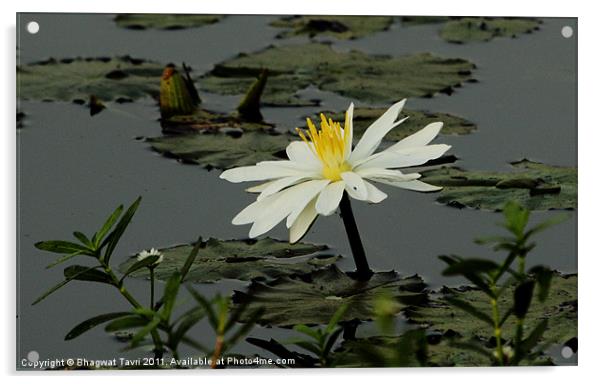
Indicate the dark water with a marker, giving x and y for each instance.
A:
(73, 169)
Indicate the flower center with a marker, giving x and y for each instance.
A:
(329, 144)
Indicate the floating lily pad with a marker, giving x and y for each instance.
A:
(354, 74)
(315, 297)
(164, 21)
(239, 259)
(560, 309)
(536, 186)
(224, 149)
(109, 79)
(472, 29)
(363, 117)
(341, 27)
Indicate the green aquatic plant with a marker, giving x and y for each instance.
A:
(493, 279)
(318, 341)
(157, 319)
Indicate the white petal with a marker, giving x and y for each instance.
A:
(407, 157)
(266, 170)
(303, 201)
(414, 185)
(303, 222)
(300, 152)
(253, 211)
(329, 198)
(375, 132)
(349, 142)
(382, 173)
(418, 139)
(260, 187)
(280, 184)
(375, 195)
(280, 206)
(354, 185)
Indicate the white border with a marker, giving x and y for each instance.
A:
(590, 188)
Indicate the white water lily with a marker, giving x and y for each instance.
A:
(323, 165)
(152, 252)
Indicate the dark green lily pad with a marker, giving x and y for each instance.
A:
(164, 21)
(354, 74)
(471, 29)
(363, 117)
(314, 298)
(223, 149)
(208, 121)
(536, 186)
(341, 27)
(239, 259)
(109, 79)
(560, 309)
(462, 30)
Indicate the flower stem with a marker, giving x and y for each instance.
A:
(126, 294)
(497, 330)
(152, 288)
(357, 249)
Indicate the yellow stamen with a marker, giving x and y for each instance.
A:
(329, 145)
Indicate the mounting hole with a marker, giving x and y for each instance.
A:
(33, 27)
(566, 352)
(566, 31)
(33, 356)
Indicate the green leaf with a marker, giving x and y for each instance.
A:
(169, 296)
(129, 322)
(546, 224)
(62, 259)
(471, 266)
(79, 272)
(222, 150)
(186, 322)
(315, 297)
(375, 79)
(313, 333)
(479, 189)
(164, 21)
(517, 218)
(146, 262)
(237, 259)
(469, 308)
(141, 334)
(307, 345)
(75, 79)
(90, 323)
(560, 309)
(106, 227)
(544, 276)
(531, 341)
(60, 246)
(116, 234)
(72, 276)
(340, 27)
(473, 29)
(523, 294)
(83, 238)
(245, 328)
(206, 305)
(194, 252)
(336, 318)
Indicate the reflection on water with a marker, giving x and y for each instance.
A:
(73, 169)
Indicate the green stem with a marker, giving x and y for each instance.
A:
(152, 287)
(521, 265)
(128, 296)
(497, 330)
